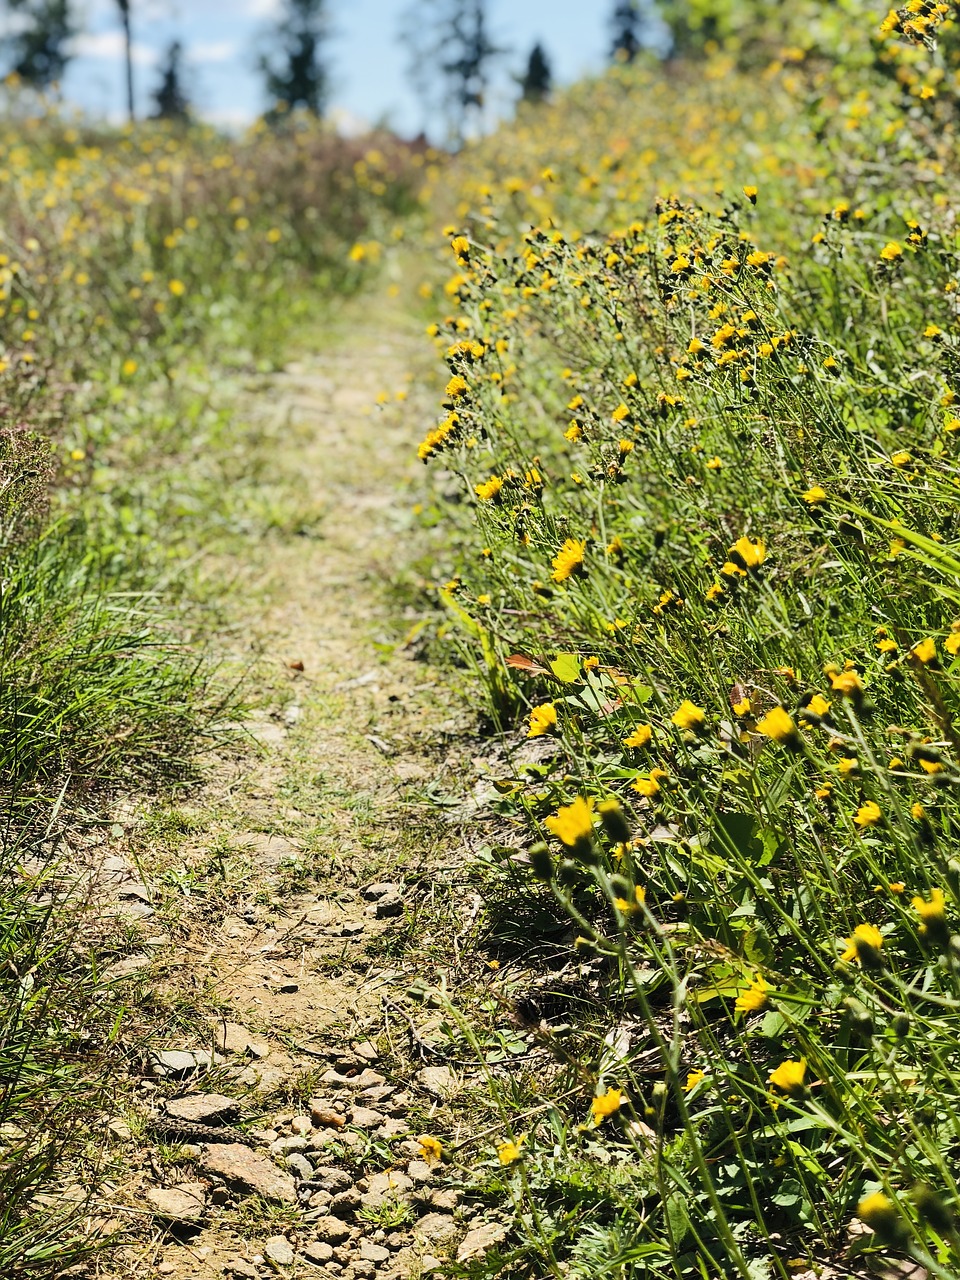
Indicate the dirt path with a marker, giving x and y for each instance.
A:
(277, 900)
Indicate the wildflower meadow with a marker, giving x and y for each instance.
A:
(671, 862)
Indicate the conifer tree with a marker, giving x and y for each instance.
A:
(169, 97)
(627, 23)
(451, 57)
(537, 80)
(298, 76)
(38, 51)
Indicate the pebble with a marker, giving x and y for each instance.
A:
(364, 1118)
(370, 1252)
(301, 1166)
(251, 1170)
(203, 1108)
(331, 1230)
(278, 1249)
(301, 1125)
(389, 906)
(318, 1251)
(182, 1203)
(440, 1081)
(347, 1202)
(179, 1064)
(374, 892)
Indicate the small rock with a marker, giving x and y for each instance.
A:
(166, 1269)
(241, 1270)
(179, 1064)
(331, 1230)
(440, 1081)
(251, 1170)
(318, 1251)
(392, 1128)
(367, 1050)
(300, 1166)
(345, 1202)
(289, 1145)
(364, 1270)
(373, 892)
(419, 1171)
(437, 1229)
(183, 1203)
(480, 1240)
(126, 967)
(119, 1129)
(383, 1187)
(368, 1079)
(301, 1125)
(278, 1249)
(446, 1200)
(370, 1252)
(327, 1118)
(330, 1178)
(203, 1108)
(364, 1118)
(391, 905)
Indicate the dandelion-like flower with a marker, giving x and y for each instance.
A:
(542, 720)
(689, 716)
(607, 1104)
(863, 945)
(572, 824)
(789, 1076)
(569, 559)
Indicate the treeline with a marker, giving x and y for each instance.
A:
(451, 52)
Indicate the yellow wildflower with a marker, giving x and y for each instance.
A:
(430, 1149)
(509, 1152)
(693, 1079)
(569, 559)
(778, 725)
(747, 554)
(572, 824)
(688, 716)
(868, 815)
(789, 1076)
(542, 720)
(457, 387)
(640, 737)
(814, 495)
(933, 918)
(754, 997)
(891, 252)
(864, 945)
(649, 785)
(607, 1104)
(487, 490)
(925, 651)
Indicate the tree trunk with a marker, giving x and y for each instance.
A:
(128, 55)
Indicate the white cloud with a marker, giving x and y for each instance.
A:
(212, 51)
(109, 44)
(262, 8)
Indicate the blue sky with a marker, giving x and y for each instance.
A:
(222, 38)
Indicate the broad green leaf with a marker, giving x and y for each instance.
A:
(566, 667)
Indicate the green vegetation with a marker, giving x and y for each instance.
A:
(712, 576)
(139, 273)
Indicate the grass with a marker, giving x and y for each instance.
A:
(144, 277)
(708, 448)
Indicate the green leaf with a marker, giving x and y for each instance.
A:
(677, 1218)
(566, 667)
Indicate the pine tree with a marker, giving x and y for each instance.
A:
(38, 52)
(627, 24)
(537, 80)
(169, 98)
(299, 76)
(451, 56)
